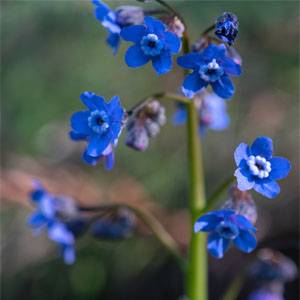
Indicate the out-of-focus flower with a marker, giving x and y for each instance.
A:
(114, 21)
(210, 67)
(226, 226)
(227, 27)
(211, 113)
(272, 265)
(152, 42)
(242, 203)
(145, 123)
(263, 294)
(119, 225)
(174, 24)
(51, 209)
(100, 125)
(257, 169)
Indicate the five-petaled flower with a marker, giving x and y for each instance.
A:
(227, 27)
(257, 169)
(212, 67)
(100, 125)
(152, 42)
(211, 113)
(46, 217)
(114, 21)
(226, 226)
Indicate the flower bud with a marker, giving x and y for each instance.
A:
(227, 27)
(242, 202)
(129, 15)
(174, 24)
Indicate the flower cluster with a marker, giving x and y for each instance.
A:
(212, 66)
(226, 226)
(100, 125)
(211, 113)
(47, 216)
(258, 169)
(143, 124)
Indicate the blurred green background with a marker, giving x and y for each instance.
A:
(52, 51)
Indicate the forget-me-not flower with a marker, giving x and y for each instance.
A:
(114, 21)
(213, 67)
(211, 113)
(100, 125)
(226, 226)
(258, 169)
(152, 42)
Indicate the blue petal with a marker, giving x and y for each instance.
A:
(193, 84)
(180, 116)
(109, 161)
(280, 167)
(172, 42)
(223, 87)
(59, 233)
(36, 219)
(245, 241)
(115, 110)
(75, 136)
(115, 129)
(269, 189)
(114, 41)
(243, 223)
(262, 146)
(133, 33)
(244, 180)
(207, 222)
(113, 104)
(69, 255)
(91, 160)
(93, 101)
(241, 153)
(101, 10)
(212, 51)
(47, 206)
(97, 144)
(162, 63)
(224, 213)
(135, 57)
(79, 122)
(190, 60)
(154, 26)
(229, 66)
(217, 245)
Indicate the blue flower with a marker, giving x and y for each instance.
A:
(227, 27)
(114, 21)
(257, 169)
(100, 125)
(226, 225)
(153, 43)
(47, 217)
(265, 294)
(210, 67)
(211, 113)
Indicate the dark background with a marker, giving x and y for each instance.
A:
(52, 51)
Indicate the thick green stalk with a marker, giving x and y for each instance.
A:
(197, 272)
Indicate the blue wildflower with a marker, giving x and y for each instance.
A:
(227, 27)
(118, 226)
(211, 113)
(153, 43)
(114, 21)
(100, 125)
(210, 67)
(265, 294)
(47, 216)
(257, 169)
(226, 225)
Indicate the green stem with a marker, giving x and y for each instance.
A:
(155, 227)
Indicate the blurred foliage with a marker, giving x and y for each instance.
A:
(54, 50)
